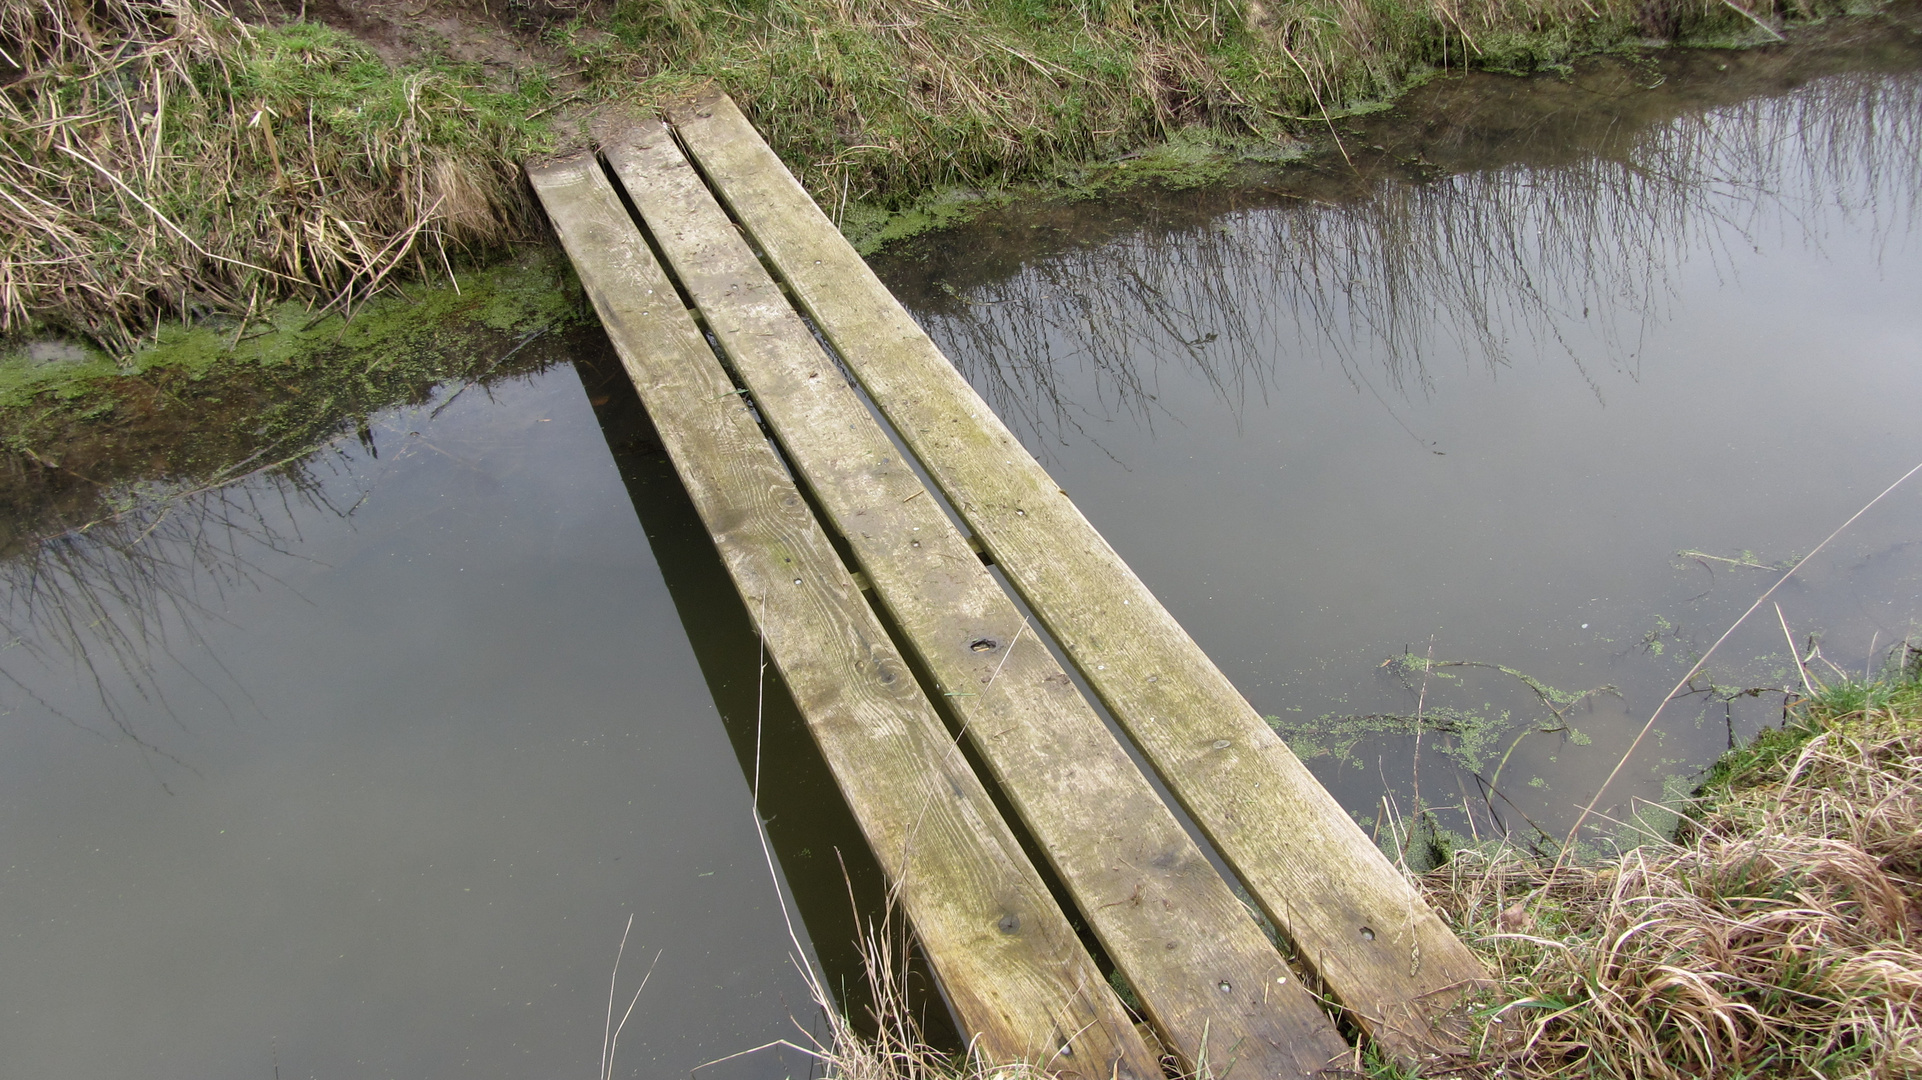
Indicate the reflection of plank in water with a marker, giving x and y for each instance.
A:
(1208, 978)
(1380, 949)
(1008, 958)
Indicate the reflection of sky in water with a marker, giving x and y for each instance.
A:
(1486, 412)
(389, 763)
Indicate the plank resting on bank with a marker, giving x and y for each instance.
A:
(1021, 982)
(771, 279)
(1202, 969)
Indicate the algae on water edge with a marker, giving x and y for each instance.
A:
(224, 391)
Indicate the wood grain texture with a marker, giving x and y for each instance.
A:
(1020, 981)
(1382, 951)
(1215, 988)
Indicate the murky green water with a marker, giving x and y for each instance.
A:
(362, 772)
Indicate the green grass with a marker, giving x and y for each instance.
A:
(1832, 707)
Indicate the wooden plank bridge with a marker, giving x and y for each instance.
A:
(782, 457)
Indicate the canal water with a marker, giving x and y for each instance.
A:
(1460, 446)
(363, 769)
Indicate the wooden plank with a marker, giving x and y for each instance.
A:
(1023, 985)
(1210, 981)
(1383, 952)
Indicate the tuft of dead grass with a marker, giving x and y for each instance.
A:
(888, 1042)
(1775, 936)
(162, 158)
(890, 1045)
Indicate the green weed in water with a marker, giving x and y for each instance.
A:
(1472, 738)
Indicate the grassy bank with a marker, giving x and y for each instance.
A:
(166, 161)
(1774, 936)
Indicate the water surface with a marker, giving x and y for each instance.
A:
(362, 772)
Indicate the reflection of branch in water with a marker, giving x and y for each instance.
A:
(1746, 560)
(1552, 699)
(1578, 260)
(126, 591)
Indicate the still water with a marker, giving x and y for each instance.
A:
(362, 771)
(1551, 376)
(372, 778)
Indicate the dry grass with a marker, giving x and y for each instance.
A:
(164, 159)
(890, 1045)
(1776, 937)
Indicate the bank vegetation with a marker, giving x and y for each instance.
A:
(176, 160)
(1775, 935)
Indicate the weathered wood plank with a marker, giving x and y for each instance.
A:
(1212, 984)
(1023, 985)
(1381, 950)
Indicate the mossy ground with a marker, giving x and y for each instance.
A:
(507, 298)
(205, 397)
